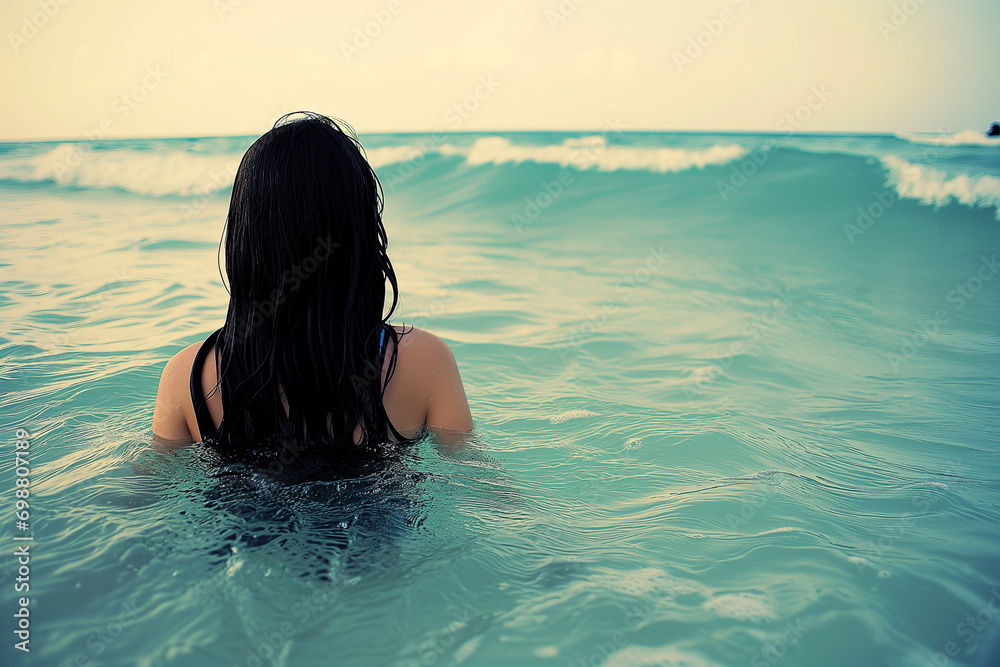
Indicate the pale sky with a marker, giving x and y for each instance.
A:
(230, 67)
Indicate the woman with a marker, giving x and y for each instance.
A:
(306, 354)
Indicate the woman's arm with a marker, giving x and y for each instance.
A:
(448, 414)
(426, 389)
(173, 398)
(447, 405)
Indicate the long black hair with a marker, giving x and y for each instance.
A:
(306, 259)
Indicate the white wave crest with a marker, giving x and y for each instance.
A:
(964, 138)
(186, 174)
(142, 172)
(934, 186)
(386, 155)
(593, 152)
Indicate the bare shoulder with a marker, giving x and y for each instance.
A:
(173, 398)
(178, 369)
(428, 381)
(421, 346)
(425, 357)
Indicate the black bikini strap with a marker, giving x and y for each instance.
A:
(205, 423)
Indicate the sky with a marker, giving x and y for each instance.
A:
(74, 69)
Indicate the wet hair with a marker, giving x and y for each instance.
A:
(305, 252)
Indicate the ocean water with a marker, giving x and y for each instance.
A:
(735, 397)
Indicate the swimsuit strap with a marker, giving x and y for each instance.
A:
(205, 423)
(381, 339)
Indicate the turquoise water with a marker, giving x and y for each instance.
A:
(724, 417)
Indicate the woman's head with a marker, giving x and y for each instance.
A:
(306, 259)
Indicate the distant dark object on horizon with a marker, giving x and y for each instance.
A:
(994, 131)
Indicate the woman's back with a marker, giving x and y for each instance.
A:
(425, 391)
(307, 353)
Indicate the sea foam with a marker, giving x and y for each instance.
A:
(178, 173)
(934, 186)
(189, 174)
(595, 153)
(964, 138)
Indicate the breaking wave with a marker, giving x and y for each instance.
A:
(178, 173)
(187, 174)
(594, 153)
(964, 138)
(936, 187)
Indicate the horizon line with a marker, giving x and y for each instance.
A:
(832, 133)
